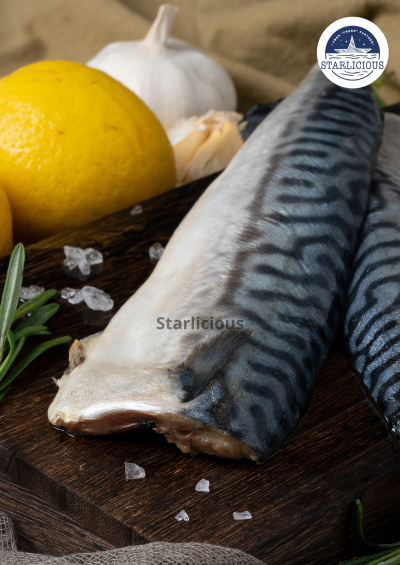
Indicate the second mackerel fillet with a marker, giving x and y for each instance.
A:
(266, 251)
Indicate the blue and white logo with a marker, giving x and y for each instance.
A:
(352, 52)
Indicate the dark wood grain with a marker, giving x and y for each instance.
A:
(32, 516)
(299, 499)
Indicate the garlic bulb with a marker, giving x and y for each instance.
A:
(173, 78)
(204, 145)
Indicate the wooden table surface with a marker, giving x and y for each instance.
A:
(69, 494)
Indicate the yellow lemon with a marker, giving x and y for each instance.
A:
(6, 237)
(76, 145)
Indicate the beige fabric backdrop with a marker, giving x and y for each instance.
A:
(266, 45)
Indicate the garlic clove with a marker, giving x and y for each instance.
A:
(204, 145)
(185, 151)
(219, 150)
(214, 154)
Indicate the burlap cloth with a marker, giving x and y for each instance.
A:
(150, 554)
(266, 45)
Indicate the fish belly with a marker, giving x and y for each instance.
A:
(372, 316)
(266, 251)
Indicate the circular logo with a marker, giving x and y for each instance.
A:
(352, 52)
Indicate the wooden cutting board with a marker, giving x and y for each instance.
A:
(69, 494)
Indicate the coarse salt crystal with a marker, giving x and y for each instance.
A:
(203, 486)
(97, 299)
(156, 251)
(73, 256)
(81, 258)
(30, 292)
(84, 267)
(182, 516)
(242, 515)
(136, 210)
(73, 295)
(93, 256)
(133, 471)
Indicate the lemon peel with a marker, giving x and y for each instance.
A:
(6, 232)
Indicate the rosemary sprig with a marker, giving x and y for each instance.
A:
(391, 555)
(357, 529)
(13, 340)
(11, 292)
(34, 303)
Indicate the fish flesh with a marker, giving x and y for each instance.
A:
(371, 327)
(258, 269)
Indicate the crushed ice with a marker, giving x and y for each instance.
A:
(81, 258)
(73, 295)
(28, 292)
(203, 486)
(136, 210)
(133, 471)
(95, 298)
(242, 515)
(156, 251)
(182, 516)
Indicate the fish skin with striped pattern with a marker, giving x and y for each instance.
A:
(372, 317)
(270, 246)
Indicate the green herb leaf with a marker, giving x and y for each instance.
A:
(4, 392)
(40, 317)
(26, 332)
(40, 333)
(380, 101)
(356, 527)
(370, 559)
(356, 522)
(11, 292)
(31, 357)
(11, 339)
(34, 303)
(376, 85)
(11, 358)
(7, 360)
(32, 326)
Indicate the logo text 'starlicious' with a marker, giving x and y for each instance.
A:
(199, 322)
(352, 55)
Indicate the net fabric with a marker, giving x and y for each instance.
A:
(158, 553)
(7, 538)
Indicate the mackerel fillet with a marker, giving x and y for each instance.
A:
(372, 317)
(266, 252)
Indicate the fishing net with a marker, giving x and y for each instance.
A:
(149, 554)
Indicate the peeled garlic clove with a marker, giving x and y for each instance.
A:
(205, 145)
(185, 150)
(217, 152)
(173, 78)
